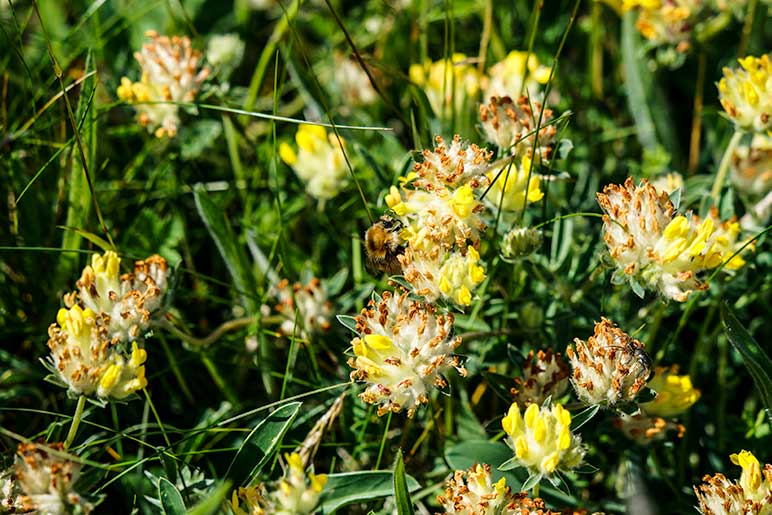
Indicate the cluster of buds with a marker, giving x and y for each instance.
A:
(545, 374)
(319, 161)
(441, 221)
(305, 310)
(751, 495)
(296, 493)
(41, 481)
(95, 341)
(170, 73)
(542, 439)
(520, 242)
(675, 395)
(448, 83)
(473, 491)
(403, 348)
(744, 93)
(505, 78)
(610, 368)
(658, 250)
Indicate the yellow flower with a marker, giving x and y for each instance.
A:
(509, 190)
(447, 82)
(505, 78)
(319, 161)
(675, 393)
(542, 438)
(404, 347)
(751, 495)
(170, 73)
(746, 93)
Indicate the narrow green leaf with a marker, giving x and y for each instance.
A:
(756, 361)
(583, 417)
(227, 244)
(212, 503)
(401, 492)
(356, 487)
(90, 236)
(170, 497)
(259, 445)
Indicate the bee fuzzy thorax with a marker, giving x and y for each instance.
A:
(383, 245)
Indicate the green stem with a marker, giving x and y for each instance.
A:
(75, 421)
(383, 440)
(723, 167)
(536, 490)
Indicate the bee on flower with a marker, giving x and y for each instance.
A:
(505, 78)
(170, 73)
(402, 349)
(311, 304)
(95, 341)
(319, 161)
(473, 491)
(751, 495)
(610, 368)
(746, 93)
(545, 374)
(542, 439)
(448, 83)
(675, 395)
(656, 249)
(40, 481)
(296, 493)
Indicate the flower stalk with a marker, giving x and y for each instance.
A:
(75, 422)
(723, 167)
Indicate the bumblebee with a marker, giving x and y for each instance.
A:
(383, 247)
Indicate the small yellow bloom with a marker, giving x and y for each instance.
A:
(675, 393)
(744, 93)
(318, 162)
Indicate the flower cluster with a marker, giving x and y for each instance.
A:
(511, 126)
(666, 22)
(95, 341)
(448, 83)
(745, 93)
(441, 219)
(319, 161)
(305, 309)
(224, 52)
(610, 368)
(656, 249)
(751, 495)
(751, 166)
(520, 242)
(170, 73)
(473, 492)
(296, 493)
(41, 482)
(402, 349)
(545, 376)
(675, 395)
(542, 439)
(355, 86)
(506, 77)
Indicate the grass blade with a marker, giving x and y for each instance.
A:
(401, 492)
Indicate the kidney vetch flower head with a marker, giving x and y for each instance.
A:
(319, 161)
(510, 125)
(448, 83)
(296, 493)
(309, 302)
(654, 248)
(505, 78)
(746, 93)
(473, 492)
(751, 495)
(41, 481)
(545, 374)
(751, 166)
(96, 341)
(170, 73)
(610, 368)
(403, 348)
(542, 439)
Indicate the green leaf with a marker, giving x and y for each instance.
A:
(533, 480)
(222, 233)
(170, 497)
(212, 503)
(90, 236)
(401, 492)
(260, 444)
(756, 361)
(583, 417)
(356, 487)
(348, 321)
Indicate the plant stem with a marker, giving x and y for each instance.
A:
(723, 167)
(75, 422)
(536, 490)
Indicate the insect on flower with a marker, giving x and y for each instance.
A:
(383, 246)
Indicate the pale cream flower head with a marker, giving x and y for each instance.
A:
(751, 166)
(542, 439)
(319, 161)
(311, 303)
(403, 348)
(170, 73)
(751, 495)
(655, 249)
(610, 368)
(746, 93)
(508, 124)
(42, 482)
(545, 374)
